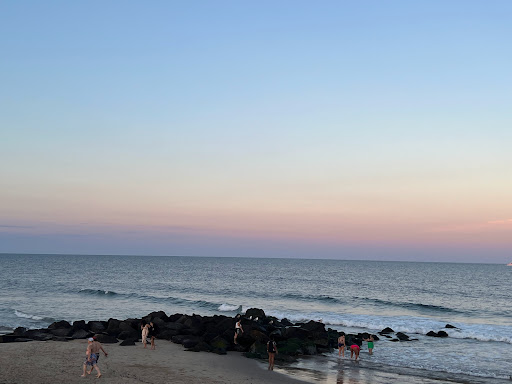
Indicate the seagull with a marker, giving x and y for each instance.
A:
(250, 317)
(256, 319)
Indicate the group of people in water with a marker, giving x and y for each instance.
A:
(354, 348)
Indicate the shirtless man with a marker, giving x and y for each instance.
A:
(96, 347)
(91, 359)
(341, 344)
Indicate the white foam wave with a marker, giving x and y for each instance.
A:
(406, 324)
(27, 316)
(229, 307)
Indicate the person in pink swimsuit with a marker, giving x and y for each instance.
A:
(354, 349)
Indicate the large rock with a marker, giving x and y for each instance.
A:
(255, 313)
(402, 336)
(59, 324)
(125, 335)
(113, 327)
(79, 324)
(97, 326)
(442, 334)
(313, 326)
(155, 315)
(61, 332)
(449, 326)
(81, 334)
(296, 333)
(38, 334)
(127, 342)
(106, 339)
(386, 330)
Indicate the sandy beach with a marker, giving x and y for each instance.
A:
(45, 362)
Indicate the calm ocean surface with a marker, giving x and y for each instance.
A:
(347, 295)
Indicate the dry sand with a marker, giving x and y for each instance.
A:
(45, 362)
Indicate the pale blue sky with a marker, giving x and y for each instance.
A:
(343, 126)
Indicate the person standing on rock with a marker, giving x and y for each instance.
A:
(272, 350)
(341, 344)
(238, 329)
(370, 344)
(91, 360)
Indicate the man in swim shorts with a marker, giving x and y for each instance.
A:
(91, 360)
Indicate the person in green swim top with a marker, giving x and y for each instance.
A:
(370, 344)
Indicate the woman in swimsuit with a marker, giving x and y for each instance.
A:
(354, 349)
(341, 344)
(370, 344)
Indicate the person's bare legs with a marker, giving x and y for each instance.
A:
(357, 353)
(343, 351)
(271, 357)
(97, 370)
(85, 370)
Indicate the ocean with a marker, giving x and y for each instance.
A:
(352, 296)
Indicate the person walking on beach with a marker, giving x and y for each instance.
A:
(96, 347)
(370, 344)
(354, 349)
(145, 331)
(91, 359)
(341, 344)
(272, 351)
(238, 329)
(151, 334)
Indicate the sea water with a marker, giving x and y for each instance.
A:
(352, 296)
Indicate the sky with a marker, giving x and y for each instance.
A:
(373, 130)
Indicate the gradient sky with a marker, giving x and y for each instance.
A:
(377, 130)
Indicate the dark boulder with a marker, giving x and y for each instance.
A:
(178, 339)
(313, 326)
(97, 326)
(155, 315)
(38, 334)
(127, 342)
(175, 317)
(402, 336)
(286, 322)
(201, 347)
(20, 331)
(255, 313)
(11, 338)
(386, 330)
(442, 334)
(125, 335)
(61, 332)
(190, 342)
(79, 324)
(113, 327)
(449, 326)
(432, 334)
(105, 339)
(81, 334)
(296, 332)
(219, 343)
(59, 324)
(167, 334)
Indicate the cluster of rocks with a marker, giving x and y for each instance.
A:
(203, 333)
